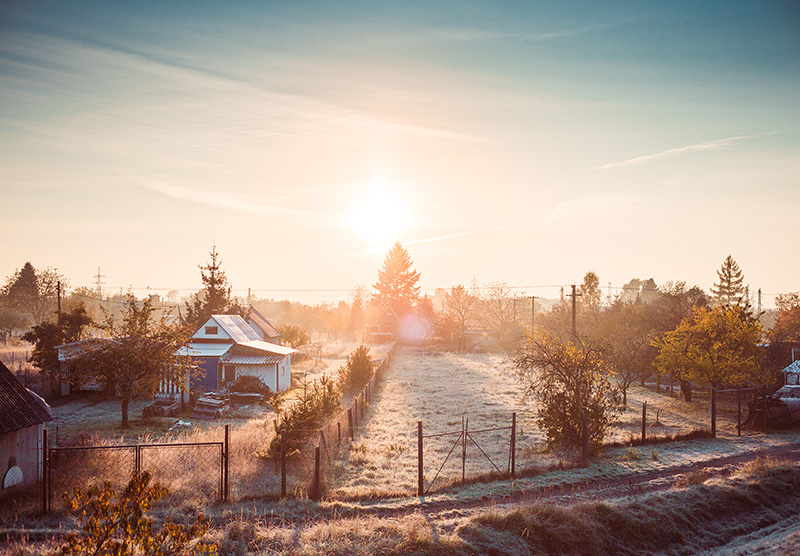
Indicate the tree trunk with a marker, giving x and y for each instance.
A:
(625, 397)
(686, 390)
(125, 402)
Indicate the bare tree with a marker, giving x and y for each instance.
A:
(33, 292)
(459, 309)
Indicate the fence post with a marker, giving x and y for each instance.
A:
(315, 487)
(283, 465)
(338, 432)
(420, 479)
(137, 459)
(644, 421)
(766, 409)
(350, 422)
(713, 412)
(227, 461)
(45, 473)
(738, 413)
(513, 444)
(464, 427)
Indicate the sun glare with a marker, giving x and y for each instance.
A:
(379, 215)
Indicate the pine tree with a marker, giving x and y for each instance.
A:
(730, 289)
(397, 282)
(214, 298)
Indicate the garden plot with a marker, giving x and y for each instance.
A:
(439, 390)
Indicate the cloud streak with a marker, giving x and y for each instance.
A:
(715, 145)
(249, 204)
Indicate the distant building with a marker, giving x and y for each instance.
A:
(22, 418)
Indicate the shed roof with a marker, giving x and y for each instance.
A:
(794, 367)
(19, 407)
(261, 345)
(268, 359)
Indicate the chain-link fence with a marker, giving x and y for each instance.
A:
(191, 471)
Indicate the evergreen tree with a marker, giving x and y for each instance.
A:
(397, 282)
(730, 289)
(33, 292)
(215, 297)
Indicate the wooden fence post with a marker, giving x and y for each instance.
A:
(738, 413)
(45, 473)
(713, 413)
(420, 478)
(315, 487)
(513, 444)
(350, 423)
(227, 483)
(338, 432)
(464, 428)
(644, 421)
(283, 465)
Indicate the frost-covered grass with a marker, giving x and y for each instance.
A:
(437, 389)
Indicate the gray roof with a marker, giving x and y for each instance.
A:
(237, 328)
(19, 407)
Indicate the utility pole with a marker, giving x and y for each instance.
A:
(533, 311)
(58, 291)
(759, 301)
(574, 295)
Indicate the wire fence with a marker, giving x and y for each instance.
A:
(191, 471)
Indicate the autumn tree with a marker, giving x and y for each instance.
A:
(397, 282)
(33, 292)
(569, 380)
(215, 296)
(68, 327)
(730, 289)
(138, 354)
(787, 321)
(715, 346)
(459, 309)
(628, 332)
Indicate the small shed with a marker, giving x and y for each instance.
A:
(791, 373)
(22, 418)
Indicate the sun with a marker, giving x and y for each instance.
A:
(379, 215)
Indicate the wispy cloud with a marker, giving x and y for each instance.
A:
(706, 146)
(383, 249)
(250, 204)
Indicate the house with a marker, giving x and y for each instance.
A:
(260, 324)
(22, 418)
(228, 346)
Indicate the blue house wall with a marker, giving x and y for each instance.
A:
(209, 380)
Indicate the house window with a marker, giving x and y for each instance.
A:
(211, 330)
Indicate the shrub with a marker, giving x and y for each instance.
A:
(250, 385)
(122, 527)
(578, 404)
(357, 370)
(317, 402)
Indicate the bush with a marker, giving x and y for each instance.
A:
(357, 370)
(250, 385)
(570, 381)
(317, 402)
(122, 527)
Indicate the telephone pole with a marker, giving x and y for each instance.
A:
(58, 290)
(533, 311)
(574, 295)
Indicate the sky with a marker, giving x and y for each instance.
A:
(517, 142)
